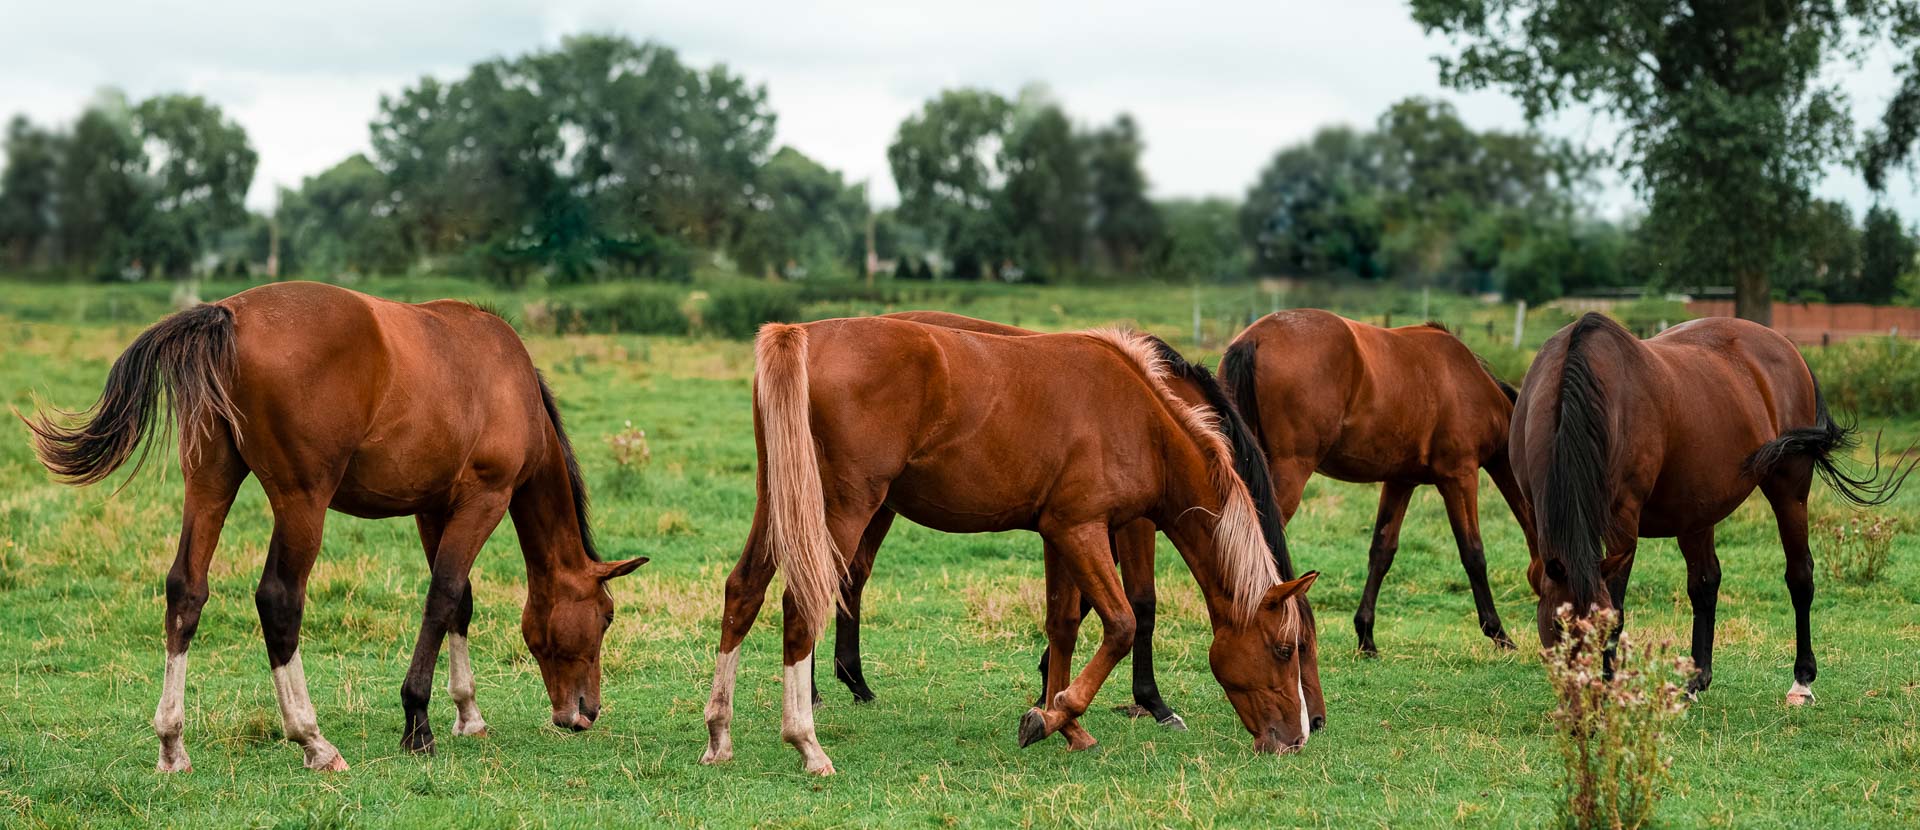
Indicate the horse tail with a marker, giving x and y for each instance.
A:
(1578, 495)
(1821, 443)
(797, 516)
(1236, 395)
(188, 357)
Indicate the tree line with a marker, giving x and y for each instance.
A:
(607, 158)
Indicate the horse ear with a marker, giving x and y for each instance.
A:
(617, 569)
(1281, 592)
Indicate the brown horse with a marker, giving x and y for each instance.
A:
(1133, 544)
(1404, 406)
(334, 399)
(1616, 439)
(1067, 435)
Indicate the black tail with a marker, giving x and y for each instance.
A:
(578, 483)
(188, 356)
(1237, 373)
(1249, 458)
(1821, 443)
(1578, 495)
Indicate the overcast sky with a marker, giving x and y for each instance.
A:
(1216, 86)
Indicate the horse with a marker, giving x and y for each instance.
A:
(1405, 407)
(1066, 435)
(334, 399)
(1133, 543)
(1615, 439)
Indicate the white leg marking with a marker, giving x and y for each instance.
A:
(1799, 695)
(796, 718)
(298, 720)
(720, 708)
(170, 718)
(460, 688)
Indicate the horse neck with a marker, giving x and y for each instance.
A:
(1189, 510)
(551, 539)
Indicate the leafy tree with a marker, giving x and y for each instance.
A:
(1887, 252)
(198, 166)
(27, 189)
(946, 162)
(341, 220)
(102, 192)
(1822, 262)
(1202, 241)
(803, 214)
(1046, 198)
(1126, 224)
(1727, 119)
(1315, 208)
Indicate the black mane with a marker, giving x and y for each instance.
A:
(579, 484)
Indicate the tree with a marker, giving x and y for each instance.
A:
(1126, 225)
(341, 221)
(198, 166)
(1822, 262)
(1887, 252)
(1202, 241)
(1315, 208)
(1046, 197)
(1727, 121)
(27, 189)
(804, 214)
(102, 192)
(946, 163)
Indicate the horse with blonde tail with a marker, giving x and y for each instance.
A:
(1066, 435)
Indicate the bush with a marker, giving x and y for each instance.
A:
(635, 308)
(1611, 730)
(1869, 375)
(1861, 546)
(738, 310)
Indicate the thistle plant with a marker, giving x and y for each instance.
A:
(1612, 730)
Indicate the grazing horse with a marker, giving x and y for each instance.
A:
(1133, 544)
(1068, 435)
(334, 399)
(1404, 406)
(1615, 439)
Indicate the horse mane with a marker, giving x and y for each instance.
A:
(1577, 497)
(576, 482)
(1248, 565)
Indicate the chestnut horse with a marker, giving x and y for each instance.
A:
(334, 399)
(1404, 406)
(1616, 439)
(1133, 544)
(1068, 435)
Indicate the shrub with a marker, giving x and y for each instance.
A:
(738, 310)
(1861, 546)
(1869, 375)
(1611, 730)
(629, 309)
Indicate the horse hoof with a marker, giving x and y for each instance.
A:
(1085, 743)
(862, 695)
(182, 765)
(1504, 643)
(823, 770)
(1370, 652)
(1133, 711)
(1174, 722)
(1033, 728)
(716, 755)
(417, 745)
(337, 764)
(1799, 695)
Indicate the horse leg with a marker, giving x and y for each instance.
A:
(1501, 472)
(210, 487)
(1386, 541)
(1133, 548)
(1462, 497)
(1290, 483)
(746, 590)
(846, 624)
(1066, 608)
(1083, 552)
(1703, 588)
(845, 523)
(1787, 490)
(281, 600)
(1618, 569)
(461, 536)
(467, 719)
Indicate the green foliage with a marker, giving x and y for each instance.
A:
(803, 222)
(28, 186)
(945, 161)
(342, 221)
(1887, 252)
(1612, 726)
(628, 308)
(1203, 241)
(1047, 197)
(1869, 375)
(738, 310)
(1126, 226)
(198, 166)
(1727, 113)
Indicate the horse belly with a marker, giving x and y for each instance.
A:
(965, 504)
(380, 484)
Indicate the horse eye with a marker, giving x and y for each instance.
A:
(608, 622)
(1283, 651)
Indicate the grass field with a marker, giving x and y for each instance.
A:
(1442, 730)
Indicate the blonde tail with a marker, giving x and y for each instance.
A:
(797, 517)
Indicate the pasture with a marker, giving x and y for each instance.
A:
(1441, 730)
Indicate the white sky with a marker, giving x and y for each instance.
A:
(1216, 86)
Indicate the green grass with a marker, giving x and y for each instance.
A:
(1442, 730)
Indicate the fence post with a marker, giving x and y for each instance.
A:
(1519, 322)
(1196, 315)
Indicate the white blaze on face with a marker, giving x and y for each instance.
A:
(1306, 724)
